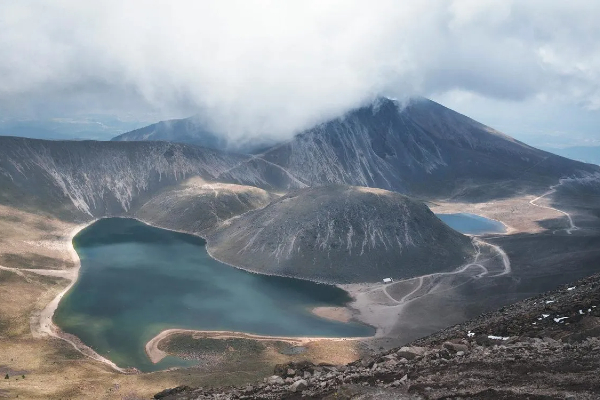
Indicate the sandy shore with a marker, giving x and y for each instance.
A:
(155, 354)
(42, 324)
(341, 314)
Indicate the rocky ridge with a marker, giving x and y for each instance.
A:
(545, 347)
(87, 179)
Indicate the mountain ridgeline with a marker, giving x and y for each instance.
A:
(418, 148)
(83, 179)
(187, 130)
(335, 224)
(192, 130)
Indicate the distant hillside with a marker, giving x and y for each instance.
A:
(192, 130)
(187, 130)
(196, 205)
(90, 127)
(341, 234)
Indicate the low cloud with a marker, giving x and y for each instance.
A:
(271, 68)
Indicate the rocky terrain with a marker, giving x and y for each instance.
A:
(341, 234)
(545, 347)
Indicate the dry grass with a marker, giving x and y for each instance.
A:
(252, 357)
(53, 369)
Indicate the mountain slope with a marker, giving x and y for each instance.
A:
(196, 205)
(341, 234)
(95, 179)
(423, 148)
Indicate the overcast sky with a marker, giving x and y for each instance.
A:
(271, 68)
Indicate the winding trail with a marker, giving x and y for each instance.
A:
(572, 227)
(377, 311)
(476, 263)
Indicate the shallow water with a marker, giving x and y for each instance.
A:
(136, 280)
(472, 224)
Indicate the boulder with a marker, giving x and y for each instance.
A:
(299, 386)
(294, 368)
(410, 352)
(275, 379)
(456, 347)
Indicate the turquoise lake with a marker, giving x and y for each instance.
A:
(472, 224)
(136, 280)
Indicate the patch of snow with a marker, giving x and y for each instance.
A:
(470, 334)
(559, 319)
(549, 301)
(571, 288)
(493, 337)
(545, 315)
(580, 312)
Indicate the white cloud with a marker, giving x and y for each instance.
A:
(270, 68)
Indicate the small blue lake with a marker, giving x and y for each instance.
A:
(472, 224)
(137, 280)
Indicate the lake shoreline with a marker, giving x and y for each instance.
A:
(353, 311)
(42, 324)
(156, 355)
(86, 350)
